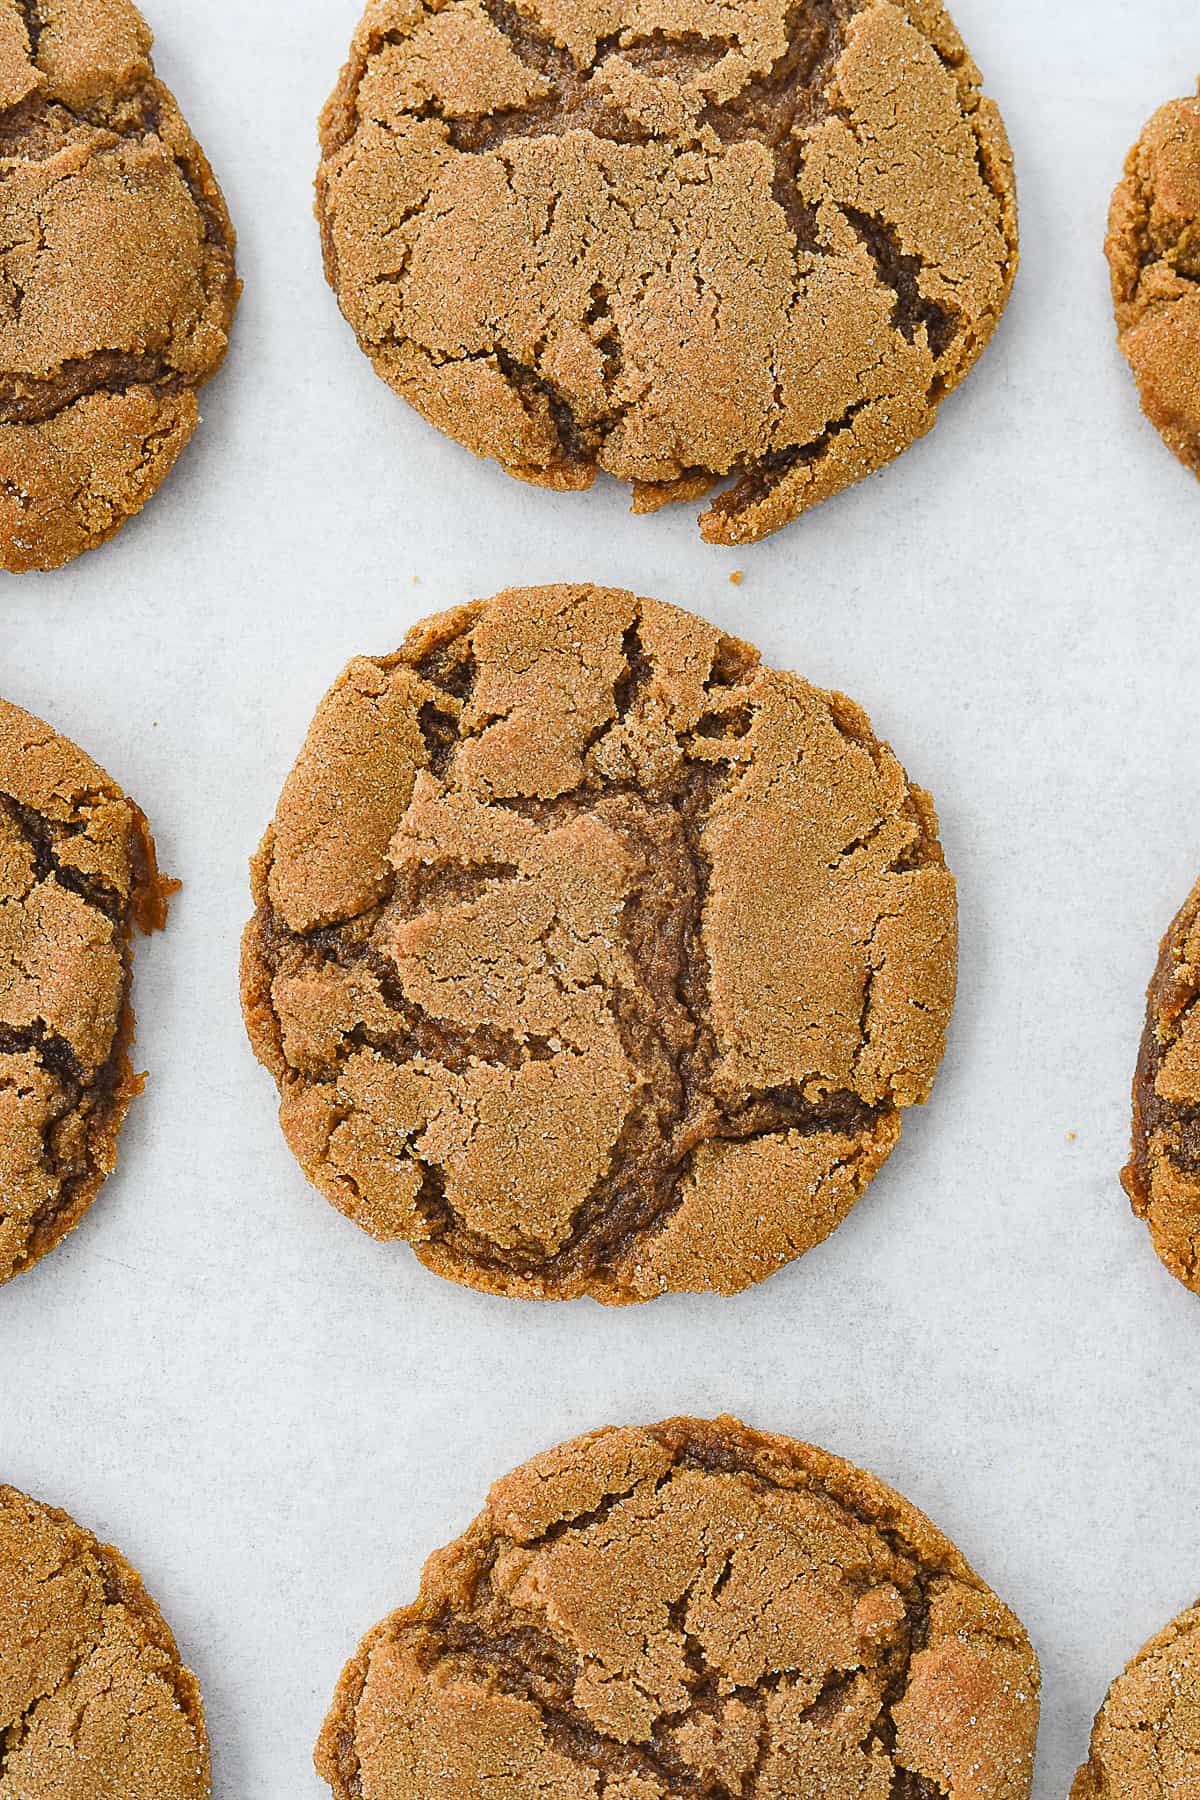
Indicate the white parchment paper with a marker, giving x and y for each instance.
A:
(277, 1419)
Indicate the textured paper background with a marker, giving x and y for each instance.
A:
(277, 1419)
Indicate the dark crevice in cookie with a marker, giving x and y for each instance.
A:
(416, 1034)
(638, 670)
(431, 1202)
(725, 725)
(733, 664)
(531, 45)
(452, 668)
(44, 839)
(902, 274)
(801, 214)
(440, 731)
(788, 1109)
(572, 102)
(755, 483)
(431, 886)
(1180, 1128)
(907, 1786)
(31, 18)
(577, 443)
(777, 107)
(26, 399)
(604, 333)
(53, 1052)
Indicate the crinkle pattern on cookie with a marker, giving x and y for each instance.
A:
(1154, 253)
(691, 1612)
(77, 873)
(592, 956)
(94, 1702)
(117, 283)
(1146, 1742)
(1162, 1177)
(677, 240)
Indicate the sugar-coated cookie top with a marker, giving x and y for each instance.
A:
(692, 1608)
(77, 873)
(677, 240)
(117, 267)
(591, 955)
(1154, 254)
(1146, 1742)
(94, 1703)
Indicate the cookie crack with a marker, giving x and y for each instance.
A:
(29, 399)
(913, 311)
(31, 17)
(760, 478)
(43, 840)
(71, 1156)
(419, 1034)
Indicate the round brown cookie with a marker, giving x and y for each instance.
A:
(1162, 1177)
(1146, 1740)
(677, 242)
(593, 957)
(77, 873)
(116, 271)
(94, 1701)
(691, 1609)
(1153, 249)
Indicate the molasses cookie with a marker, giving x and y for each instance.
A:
(94, 1701)
(1154, 252)
(1163, 1174)
(751, 245)
(1146, 1741)
(692, 1608)
(592, 956)
(77, 873)
(116, 272)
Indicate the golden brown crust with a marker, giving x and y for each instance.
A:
(1153, 248)
(95, 1703)
(673, 241)
(1162, 1177)
(77, 875)
(117, 272)
(691, 1608)
(593, 957)
(1146, 1739)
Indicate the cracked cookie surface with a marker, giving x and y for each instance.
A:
(117, 281)
(1153, 249)
(94, 1701)
(1162, 1177)
(689, 1610)
(679, 242)
(1146, 1741)
(77, 874)
(593, 957)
